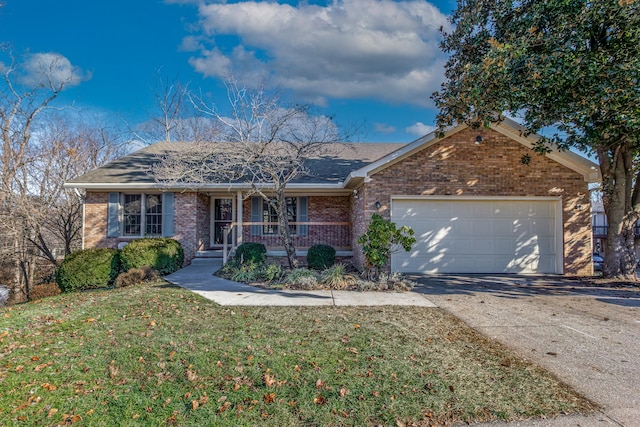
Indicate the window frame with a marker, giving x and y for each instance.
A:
(145, 215)
(269, 213)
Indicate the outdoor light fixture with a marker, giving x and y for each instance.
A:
(479, 139)
(377, 205)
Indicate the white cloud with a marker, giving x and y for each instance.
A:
(379, 49)
(420, 129)
(384, 128)
(50, 69)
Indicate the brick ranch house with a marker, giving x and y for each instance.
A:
(474, 206)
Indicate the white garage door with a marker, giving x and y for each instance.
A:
(479, 236)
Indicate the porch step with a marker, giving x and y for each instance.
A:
(211, 253)
(215, 263)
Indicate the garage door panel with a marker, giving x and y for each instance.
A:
(478, 236)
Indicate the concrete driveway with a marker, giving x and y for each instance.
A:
(588, 337)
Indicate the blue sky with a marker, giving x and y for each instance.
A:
(366, 62)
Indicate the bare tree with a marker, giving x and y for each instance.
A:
(264, 144)
(39, 150)
(174, 117)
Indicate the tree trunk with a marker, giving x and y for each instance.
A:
(283, 226)
(619, 200)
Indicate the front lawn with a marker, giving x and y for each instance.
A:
(159, 355)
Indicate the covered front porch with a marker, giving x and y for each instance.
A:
(313, 219)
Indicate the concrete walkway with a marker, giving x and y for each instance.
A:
(199, 278)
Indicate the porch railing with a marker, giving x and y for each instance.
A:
(227, 241)
(339, 235)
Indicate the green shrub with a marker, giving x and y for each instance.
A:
(89, 269)
(250, 271)
(336, 277)
(162, 254)
(320, 257)
(251, 252)
(380, 240)
(301, 278)
(272, 272)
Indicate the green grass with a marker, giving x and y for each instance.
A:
(159, 355)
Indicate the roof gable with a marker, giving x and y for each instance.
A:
(588, 169)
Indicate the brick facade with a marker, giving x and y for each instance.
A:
(456, 166)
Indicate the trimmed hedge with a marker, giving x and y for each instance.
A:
(162, 254)
(251, 252)
(89, 269)
(320, 257)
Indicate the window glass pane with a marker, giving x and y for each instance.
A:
(153, 218)
(132, 215)
(270, 216)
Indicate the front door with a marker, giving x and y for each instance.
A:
(222, 217)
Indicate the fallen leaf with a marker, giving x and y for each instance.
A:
(203, 399)
(152, 323)
(269, 380)
(320, 384)
(90, 319)
(74, 418)
(191, 375)
(113, 370)
(135, 416)
(35, 358)
(343, 392)
(224, 407)
(356, 326)
(52, 412)
(219, 364)
(320, 400)
(194, 404)
(269, 397)
(4, 333)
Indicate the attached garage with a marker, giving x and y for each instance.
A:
(480, 235)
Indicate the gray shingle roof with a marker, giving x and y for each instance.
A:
(333, 167)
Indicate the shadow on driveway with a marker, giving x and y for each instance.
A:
(520, 286)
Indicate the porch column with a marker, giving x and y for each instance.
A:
(239, 219)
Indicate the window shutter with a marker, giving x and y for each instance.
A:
(167, 214)
(113, 207)
(303, 215)
(256, 215)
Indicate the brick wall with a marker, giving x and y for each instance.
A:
(95, 222)
(457, 166)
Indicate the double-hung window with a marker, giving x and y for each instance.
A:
(270, 216)
(141, 215)
(265, 217)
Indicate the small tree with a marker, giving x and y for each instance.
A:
(380, 241)
(266, 145)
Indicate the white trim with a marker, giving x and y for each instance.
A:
(557, 201)
(239, 212)
(454, 198)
